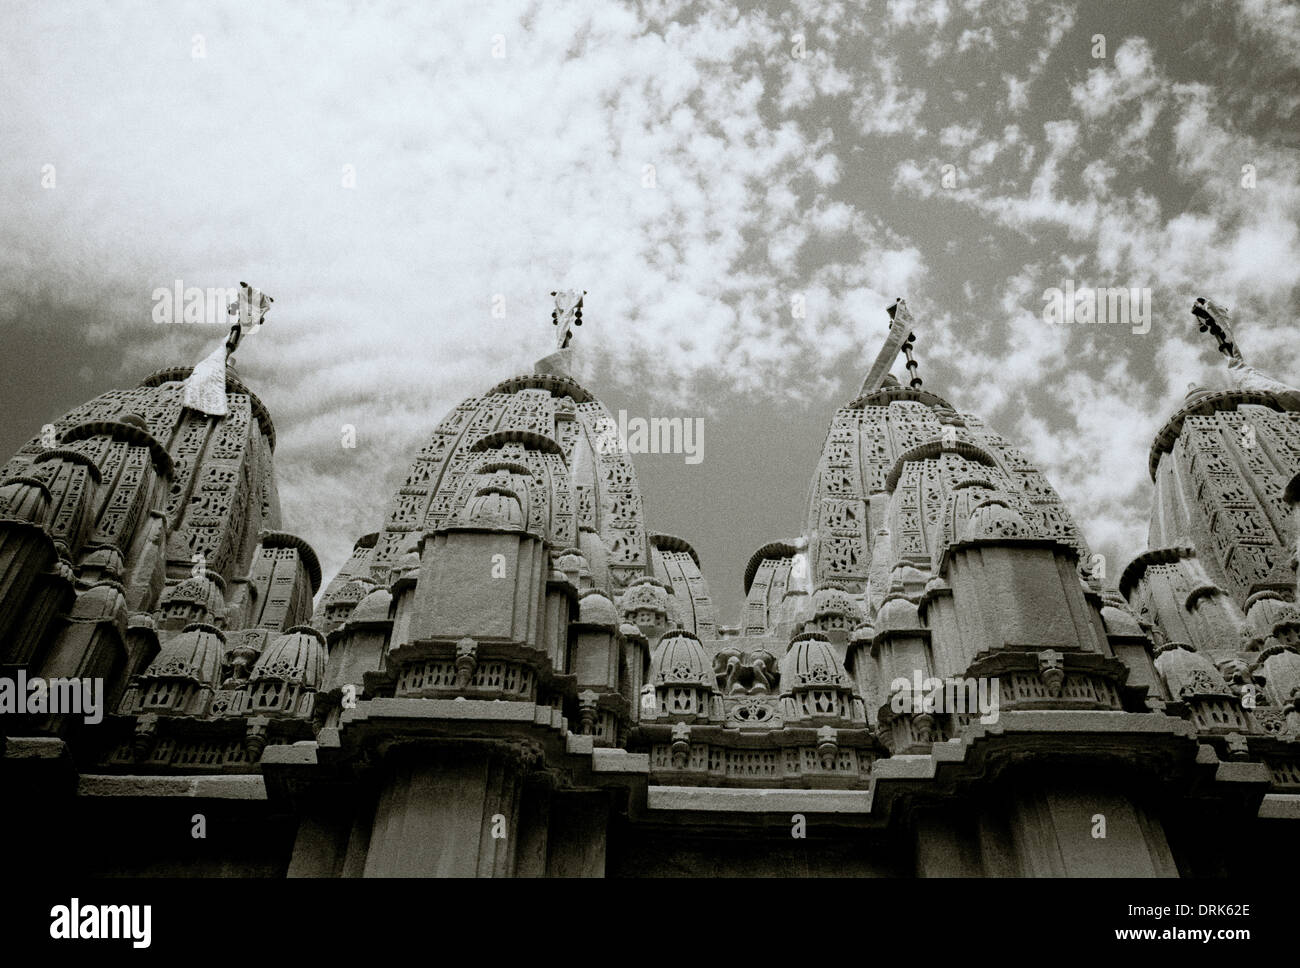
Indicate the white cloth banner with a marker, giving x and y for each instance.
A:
(205, 388)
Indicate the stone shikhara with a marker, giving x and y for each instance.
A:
(516, 665)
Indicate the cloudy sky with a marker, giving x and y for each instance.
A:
(695, 167)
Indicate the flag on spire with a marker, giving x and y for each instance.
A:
(205, 388)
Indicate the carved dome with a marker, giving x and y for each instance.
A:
(1119, 620)
(296, 656)
(1268, 610)
(898, 614)
(811, 663)
(195, 654)
(204, 591)
(595, 608)
(645, 593)
(105, 561)
(1281, 668)
(829, 600)
(103, 601)
(373, 608)
(680, 660)
(349, 594)
(862, 634)
(1187, 673)
(492, 508)
(995, 519)
(26, 499)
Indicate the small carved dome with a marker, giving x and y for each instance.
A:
(1267, 610)
(194, 654)
(862, 635)
(141, 620)
(374, 607)
(573, 564)
(597, 555)
(105, 561)
(1119, 621)
(101, 602)
(993, 519)
(835, 601)
(1281, 668)
(1188, 674)
(679, 660)
(296, 656)
(645, 593)
(406, 571)
(201, 590)
(811, 663)
(897, 614)
(907, 575)
(493, 507)
(1117, 616)
(630, 632)
(26, 499)
(350, 593)
(596, 609)
(570, 559)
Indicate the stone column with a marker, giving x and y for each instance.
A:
(1053, 827)
(578, 834)
(449, 812)
(534, 826)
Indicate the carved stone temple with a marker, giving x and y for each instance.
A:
(516, 674)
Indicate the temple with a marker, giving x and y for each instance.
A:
(516, 674)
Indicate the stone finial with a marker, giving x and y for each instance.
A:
(249, 310)
(567, 314)
(1216, 320)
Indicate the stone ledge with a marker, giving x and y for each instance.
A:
(1081, 721)
(491, 709)
(619, 761)
(1280, 806)
(728, 800)
(242, 787)
(1242, 772)
(299, 754)
(34, 748)
(575, 743)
